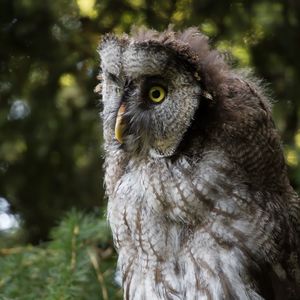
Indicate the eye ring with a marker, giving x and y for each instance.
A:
(157, 94)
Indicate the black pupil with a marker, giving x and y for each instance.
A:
(156, 94)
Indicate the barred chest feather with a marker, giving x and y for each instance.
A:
(189, 231)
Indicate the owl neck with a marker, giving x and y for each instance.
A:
(200, 131)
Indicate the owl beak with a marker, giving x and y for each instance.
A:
(119, 127)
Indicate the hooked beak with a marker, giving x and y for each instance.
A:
(119, 127)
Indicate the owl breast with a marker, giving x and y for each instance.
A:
(176, 236)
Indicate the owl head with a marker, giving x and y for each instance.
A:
(157, 87)
(168, 93)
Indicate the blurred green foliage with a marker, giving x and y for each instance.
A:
(50, 147)
(76, 264)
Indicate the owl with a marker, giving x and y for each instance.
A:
(199, 202)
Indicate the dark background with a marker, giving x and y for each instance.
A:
(50, 133)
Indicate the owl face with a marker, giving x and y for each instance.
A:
(149, 94)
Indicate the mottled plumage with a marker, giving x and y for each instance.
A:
(200, 205)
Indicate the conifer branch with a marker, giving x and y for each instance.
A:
(95, 263)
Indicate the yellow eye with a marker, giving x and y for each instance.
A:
(157, 94)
